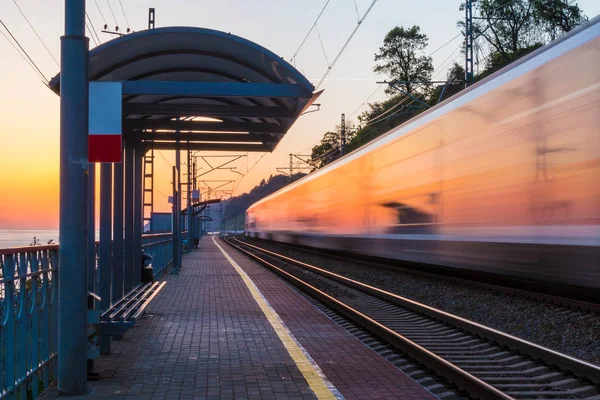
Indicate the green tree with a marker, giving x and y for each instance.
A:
(558, 16)
(328, 149)
(506, 25)
(401, 58)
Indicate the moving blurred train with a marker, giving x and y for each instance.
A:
(503, 178)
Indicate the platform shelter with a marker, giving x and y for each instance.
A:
(181, 88)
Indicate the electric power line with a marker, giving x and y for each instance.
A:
(113, 13)
(101, 13)
(444, 63)
(368, 98)
(310, 30)
(155, 188)
(91, 24)
(124, 14)
(346, 44)
(356, 8)
(322, 46)
(34, 65)
(87, 25)
(20, 54)
(444, 45)
(381, 115)
(164, 158)
(36, 34)
(247, 172)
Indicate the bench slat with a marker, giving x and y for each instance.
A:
(147, 302)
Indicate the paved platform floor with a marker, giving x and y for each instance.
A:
(226, 328)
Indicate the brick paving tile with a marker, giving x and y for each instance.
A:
(203, 337)
(353, 368)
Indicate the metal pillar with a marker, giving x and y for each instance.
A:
(138, 221)
(117, 280)
(129, 227)
(468, 42)
(343, 135)
(105, 259)
(72, 277)
(91, 263)
(190, 234)
(176, 219)
(179, 202)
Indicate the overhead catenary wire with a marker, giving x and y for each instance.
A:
(19, 52)
(247, 172)
(164, 158)
(357, 13)
(101, 13)
(381, 115)
(367, 99)
(113, 13)
(444, 45)
(124, 14)
(36, 34)
(91, 24)
(322, 46)
(359, 23)
(87, 25)
(33, 64)
(445, 63)
(310, 30)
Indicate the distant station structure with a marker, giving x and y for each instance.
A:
(178, 88)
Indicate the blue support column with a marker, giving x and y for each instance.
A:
(137, 216)
(175, 224)
(190, 234)
(117, 281)
(129, 226)
(179, 203)
(72, 276)
(91, 263)
(105, 259)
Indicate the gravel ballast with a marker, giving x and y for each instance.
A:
(572, 332)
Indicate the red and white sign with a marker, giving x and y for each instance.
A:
(105, 140)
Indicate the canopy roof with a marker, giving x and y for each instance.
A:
(216, 90)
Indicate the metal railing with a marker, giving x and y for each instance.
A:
(29, 313)
(160, 247)
(28, 316)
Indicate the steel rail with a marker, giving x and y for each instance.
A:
(564, 361)
(464, 380)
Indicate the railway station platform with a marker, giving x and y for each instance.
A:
(226, 328)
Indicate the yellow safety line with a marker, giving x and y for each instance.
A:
(317, 381)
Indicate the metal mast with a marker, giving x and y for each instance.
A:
(469, 42)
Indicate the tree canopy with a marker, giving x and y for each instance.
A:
(401, 57)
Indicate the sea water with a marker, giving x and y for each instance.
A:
(24, 237)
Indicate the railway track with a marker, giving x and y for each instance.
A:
(481, 361)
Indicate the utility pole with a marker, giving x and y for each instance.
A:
(72, 253)
(291, 165)
(151, 18)
(343, 135)
(468, 42)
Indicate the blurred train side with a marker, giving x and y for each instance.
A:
(503, 178)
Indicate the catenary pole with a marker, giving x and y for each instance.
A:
(72, 275)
